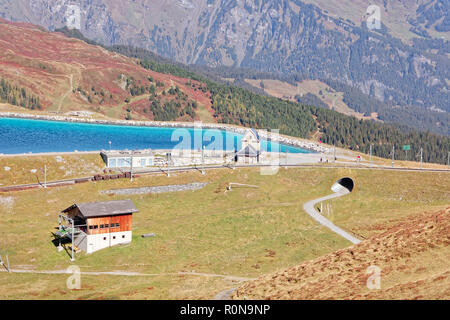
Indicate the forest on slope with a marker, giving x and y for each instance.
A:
(236, 105)
(403, 65)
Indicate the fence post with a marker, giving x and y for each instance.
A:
(7, 262)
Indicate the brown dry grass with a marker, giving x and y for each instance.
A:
(64, 166)
(412, 255)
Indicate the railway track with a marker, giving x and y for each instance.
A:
(59, 183)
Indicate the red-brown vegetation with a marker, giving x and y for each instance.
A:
(412, 256)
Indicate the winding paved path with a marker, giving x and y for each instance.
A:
(309, 207)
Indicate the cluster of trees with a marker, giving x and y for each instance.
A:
(435, 13)
(359, 135)
(415, 117)
(18, 96)
(137, 88)
(170, 110)
(240, 106)
(311, 99)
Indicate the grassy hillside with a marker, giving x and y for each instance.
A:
(243, 232)
(30, 169)
(51, 72)
(412, 257)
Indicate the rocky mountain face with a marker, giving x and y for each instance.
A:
(287, 37)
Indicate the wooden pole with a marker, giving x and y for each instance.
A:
(73, 241)
(393, 152)
(421, 157)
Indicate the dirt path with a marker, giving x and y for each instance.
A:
(225, 294)
(66, 94)
(132, 274)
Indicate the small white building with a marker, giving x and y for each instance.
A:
(252, 138)
(251, 148)
(97, 225)
(134, 158)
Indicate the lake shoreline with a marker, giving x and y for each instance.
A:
(290, 141)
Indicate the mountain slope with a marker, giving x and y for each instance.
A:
(412, 257)
(68, 74)
(279, 36)
(58, 74)
(404, 19)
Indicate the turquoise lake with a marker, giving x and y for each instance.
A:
(39, 136)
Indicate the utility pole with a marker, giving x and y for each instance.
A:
(334, 154)
(131, 168)
(73, 241)
(169, 156)
(393, 152)
(421, 157)
(203, 155)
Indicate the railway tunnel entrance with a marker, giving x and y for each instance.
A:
(343, 184)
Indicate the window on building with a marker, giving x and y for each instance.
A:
(104, 238)
(96, 227)
(106, 225)
(102, 226)
(121, 162)
(143, 162)
(114, 237)
(117, 225)
(91, 227)
(112, 163)
(123, 237)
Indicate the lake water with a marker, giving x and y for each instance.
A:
(38, 136)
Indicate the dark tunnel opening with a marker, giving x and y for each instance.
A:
(347, 183)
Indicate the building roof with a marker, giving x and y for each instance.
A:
(100, 209)
(248, 151)
(127, 153)
(255, 133)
